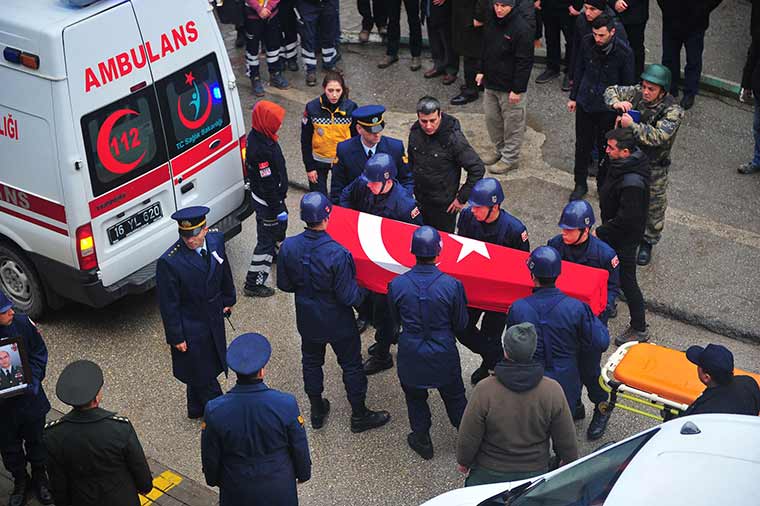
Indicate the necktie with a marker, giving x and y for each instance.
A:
(369, 153)
(204, 254)
(8, 375)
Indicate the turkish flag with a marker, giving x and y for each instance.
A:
(493, 276)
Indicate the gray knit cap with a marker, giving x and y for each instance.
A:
(519, 342)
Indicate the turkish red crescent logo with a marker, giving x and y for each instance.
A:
(194, 124)
(103, 149)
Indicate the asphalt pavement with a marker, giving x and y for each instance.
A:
(704, 275)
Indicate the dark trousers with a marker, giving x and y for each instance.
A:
(630, 286)
(269, 33)
(349, 355)
(319, 29)
(323, 169)
(21, 441)
(269, 232)
(554, 24)
(756, 131)
(437, 217)
(749, 64)
(419, 411)
(590, 128)
(372, 15)
(394, 26)
(636, 40)
(589, 364)
(199, 395)
(385, 334)
(471, 69)
(671, 58)
(444, 57)
(539, 25)
(289, 25)
(486, 340)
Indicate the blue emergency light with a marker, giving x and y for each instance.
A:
(216, 92)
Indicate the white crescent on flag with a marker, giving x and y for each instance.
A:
(371, 239)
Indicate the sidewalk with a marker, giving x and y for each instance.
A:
(169, 487)
(726, 41)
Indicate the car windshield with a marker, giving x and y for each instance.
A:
(585, 484)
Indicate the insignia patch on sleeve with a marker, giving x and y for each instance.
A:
(300, 420)
(614, 262)
(405, 158)
(415, 212)
(305, 119)
(524, 236)
(264, 170)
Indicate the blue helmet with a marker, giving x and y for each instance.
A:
(545, 262)
(315, 207)
(426, 242)
(380, 168)
(577, 214)
(486, 192)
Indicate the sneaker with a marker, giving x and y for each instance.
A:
(292, 64)
(748, 168)
(421, 444)
(375, 364)
(567, 84)
(745, 96)
(579, 413)
(415, 64)
(278, 81)
(369, 420)
(645, 254)
(598, 423)
(578, 192)
(258, 291)
(311, 78)
(387, 61)
(502, 168)
(630, 334)
(479, 374)
(547, 75)
(319, 415)
(491, 158)
(258, 87)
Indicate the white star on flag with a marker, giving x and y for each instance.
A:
(470, 246)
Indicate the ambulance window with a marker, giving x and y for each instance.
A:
(123, 140)
(195, 99)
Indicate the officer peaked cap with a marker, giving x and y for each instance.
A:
(79, 383)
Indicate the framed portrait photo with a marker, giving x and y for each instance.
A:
(15, 374)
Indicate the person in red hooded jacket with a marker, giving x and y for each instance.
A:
(269, 187)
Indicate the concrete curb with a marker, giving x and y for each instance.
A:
(707, 83)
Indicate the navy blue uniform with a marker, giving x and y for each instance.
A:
(431, 308)
(254, 447)
(193, 293)
(322, 274)
(506, 231)
(269, 187)
(350, 160)
(318, 25)
(567, 332)
(23, 416)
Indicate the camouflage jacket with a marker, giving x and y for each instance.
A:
(659, 121)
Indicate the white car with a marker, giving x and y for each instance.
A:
(696, 460)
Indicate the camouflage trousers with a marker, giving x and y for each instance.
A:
(658, 202)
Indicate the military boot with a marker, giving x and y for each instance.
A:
(320, 408)
(368, 420)
(421, 444)
(18, 494)
(40, 485)
(598, 423)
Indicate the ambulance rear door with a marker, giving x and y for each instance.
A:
(197, 97)
(118, 125)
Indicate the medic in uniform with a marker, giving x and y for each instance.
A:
(576, 244)
(485, 221)
(322, 274)
(567, 331)
(253, 443)
(23, 416)
(431, 308)
(195, 291)
(378, 192)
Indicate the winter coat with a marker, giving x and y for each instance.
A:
(595, 70)
(684, 17)
(507, 53)
(636, 13)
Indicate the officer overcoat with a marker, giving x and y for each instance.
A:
(431, 307)
(192, 296)
(322, 274)
(566, 329)
(254, 447)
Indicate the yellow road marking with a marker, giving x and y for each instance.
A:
(161, 484)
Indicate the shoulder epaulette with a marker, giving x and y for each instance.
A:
(214, 230)
(53, 423)
(119, 418)
(174, 250)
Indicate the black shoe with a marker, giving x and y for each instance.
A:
(465, 97)
(598, 424)
(375, 364)
(579, 413)
(631, 334)
(547, 75)
(18, 495)
(421, 444)
(479, 374)
(240, 39)
(40, 487)
(566, 83)
(578, 192)
(687, 102)
(319, 415)
(645, 254)
(369, 420)
(258, 291)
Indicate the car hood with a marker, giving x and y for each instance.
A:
(472, 496)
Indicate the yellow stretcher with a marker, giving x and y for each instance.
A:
(644, 377)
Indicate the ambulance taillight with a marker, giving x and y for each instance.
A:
(243, 141)
(86, 248)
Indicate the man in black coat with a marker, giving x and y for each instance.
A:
(94, 456)
(624, 202)
(592, 9)
(559, 18)
(438, 151)
(684, 23)
(604, 59)
(634, 14)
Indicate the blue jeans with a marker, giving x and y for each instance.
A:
(671, 58)
(756, 129)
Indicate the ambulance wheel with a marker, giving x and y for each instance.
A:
(19, 281)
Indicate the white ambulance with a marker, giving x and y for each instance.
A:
(112, 116)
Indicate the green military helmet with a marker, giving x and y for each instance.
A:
(657, 74)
